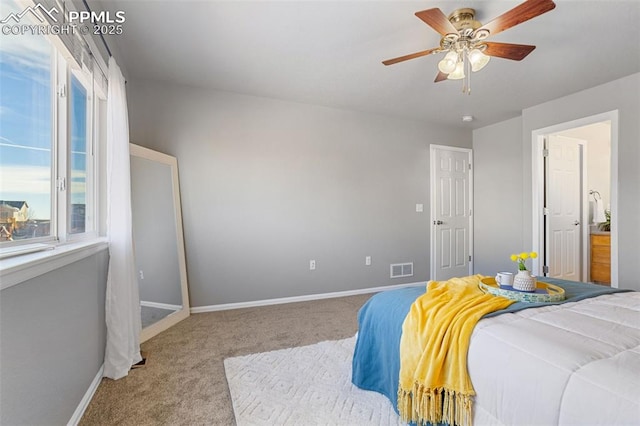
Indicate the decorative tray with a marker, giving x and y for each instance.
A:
(545, 292)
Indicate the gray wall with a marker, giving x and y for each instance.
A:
(154, 232)
(53, 340)
(497, 182)
(622, 95)
(268, 185)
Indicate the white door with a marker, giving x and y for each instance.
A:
(450, 212)
(564, 229)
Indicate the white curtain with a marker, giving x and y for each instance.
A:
(123, 299)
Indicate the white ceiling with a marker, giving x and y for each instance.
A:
(329, 53)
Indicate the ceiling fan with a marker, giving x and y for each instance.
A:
(464, 39)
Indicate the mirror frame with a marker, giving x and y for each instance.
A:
(175, 317)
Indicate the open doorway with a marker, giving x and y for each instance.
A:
(574, 194)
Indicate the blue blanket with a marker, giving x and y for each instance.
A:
(376, 360)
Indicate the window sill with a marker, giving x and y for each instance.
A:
(17, 269)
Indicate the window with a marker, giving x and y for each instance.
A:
(26, 138)
(48, 117)
(79, 158)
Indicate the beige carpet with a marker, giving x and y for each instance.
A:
(184, 381)
(307, 385)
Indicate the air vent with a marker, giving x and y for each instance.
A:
(399, 270)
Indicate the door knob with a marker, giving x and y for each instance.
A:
(438, 222)
(576, 223)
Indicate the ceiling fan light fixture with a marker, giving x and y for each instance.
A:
(458, 72)
(478, 60)
(448, 64)
(463, 39)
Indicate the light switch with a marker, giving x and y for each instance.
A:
(419, 208)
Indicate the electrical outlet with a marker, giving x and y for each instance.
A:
(367, 260)
(312, 265)
(141, 274)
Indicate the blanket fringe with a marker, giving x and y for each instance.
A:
(422, 405)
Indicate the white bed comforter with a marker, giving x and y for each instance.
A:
(570, 364)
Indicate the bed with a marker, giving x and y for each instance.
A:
(573, 363)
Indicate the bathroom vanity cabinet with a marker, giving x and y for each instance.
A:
(601, 258)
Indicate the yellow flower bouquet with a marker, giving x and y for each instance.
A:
(521, 257)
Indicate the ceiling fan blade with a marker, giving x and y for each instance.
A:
(411, 56)
(519, 14)
(437, 20)
(441, 77)
(516, 52)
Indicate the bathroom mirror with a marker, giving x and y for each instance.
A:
(158, 240)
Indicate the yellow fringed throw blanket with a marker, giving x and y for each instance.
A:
(434, 383)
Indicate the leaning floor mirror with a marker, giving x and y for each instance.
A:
(158, 240)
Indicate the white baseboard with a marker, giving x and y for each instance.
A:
(279, 301)
(86, 399)
(160, 305)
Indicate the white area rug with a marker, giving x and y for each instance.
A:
(308, 385)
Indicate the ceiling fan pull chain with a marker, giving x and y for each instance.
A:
(466, 82)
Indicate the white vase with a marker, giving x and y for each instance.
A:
(523, 281)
